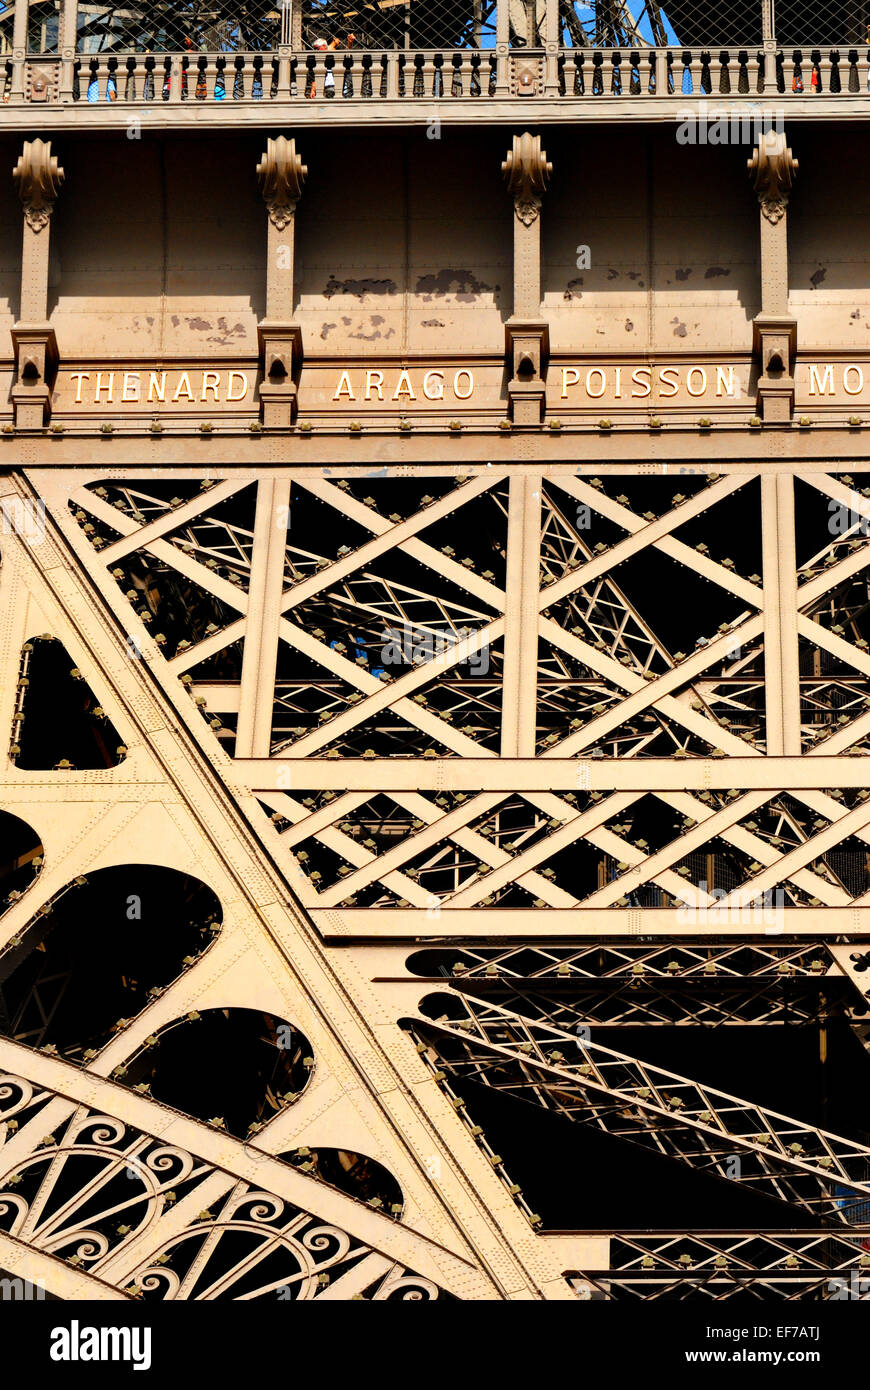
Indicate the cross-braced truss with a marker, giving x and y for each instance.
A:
(645, 1104)
(809, 1265)
(695, 983)
(590, 747)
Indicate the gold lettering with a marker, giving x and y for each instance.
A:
(344, 388)
(155, 388)
(703, 375)
(822, 386)
(210, 382)
(724, 383)
(646, 384)
(243, 379)
(463, 395)
(436, 392)
(860, 387)
(668, 377)
(183, 388)
(374, 381)
(80, 377)
(405, 389)
(618, 391)
(596, 371)
(108, 386)
(570, 377)
(132, 385)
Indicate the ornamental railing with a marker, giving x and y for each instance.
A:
(463, 75)
(57, 51)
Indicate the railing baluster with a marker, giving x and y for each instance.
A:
(705, 81)
(455, 74)
(615, 74)
(742, 72)
(662, 72)
(475, 88)
(395, 85)
(634, 88)
(823, 71)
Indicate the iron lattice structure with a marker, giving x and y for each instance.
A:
(376, 25)
(452, 770)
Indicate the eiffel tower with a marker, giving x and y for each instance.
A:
(435, 855)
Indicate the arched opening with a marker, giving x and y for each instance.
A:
(99, 952)
(233, 1067)
(20, 858)
(58, 721)
(352, 1173)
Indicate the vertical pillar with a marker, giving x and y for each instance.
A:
(502, 47)
(527, 171)
(66, 44)
(781, 673)
(522, 590)
(551, 48)
(19, 48)
(788, 615)
(768, 27)
(773, 169)
(259, 663)
(19, 28)
(39, 177)
(282, 174)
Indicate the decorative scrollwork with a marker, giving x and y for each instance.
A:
(773, 169)
(527, 171)
(281, 174)
(403, 1286)
(94, 1184)
(39, 177)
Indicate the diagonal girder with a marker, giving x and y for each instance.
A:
(680, 1118)
(787, 1266)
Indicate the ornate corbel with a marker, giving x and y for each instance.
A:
(772, 169)
(281, 175)
(527, 172)
(39, 177)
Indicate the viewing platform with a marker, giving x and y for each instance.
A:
(420, 60)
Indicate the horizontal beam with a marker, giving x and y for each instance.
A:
(631, 446)
(418, 111)
(552, 774)
(408, 924)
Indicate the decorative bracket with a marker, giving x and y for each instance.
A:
(527, 171)
(39, 177)
(773, 169)
(281, 174)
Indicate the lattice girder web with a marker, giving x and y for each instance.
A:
(405, 631)
(208, 1214)
(648, 1105)
(447, 701)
